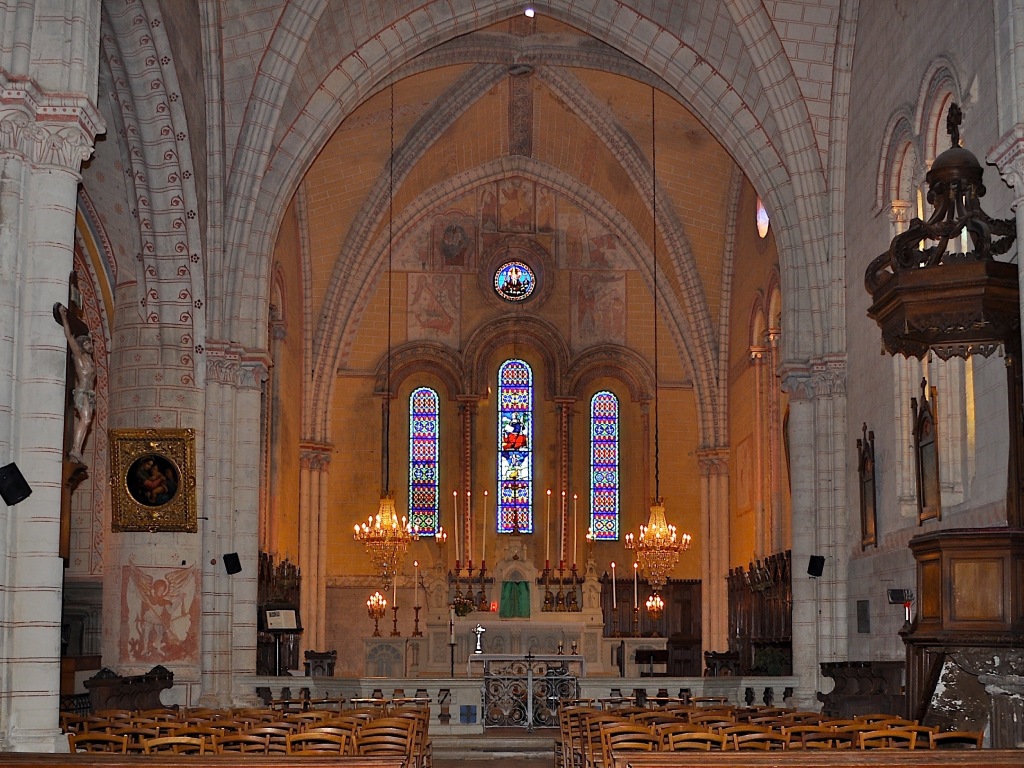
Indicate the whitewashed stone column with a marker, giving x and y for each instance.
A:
(314, 459)
(43, 140)
(714, 547)
(233, 436)
(817, 438)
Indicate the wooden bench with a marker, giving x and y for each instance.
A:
(101, 760)
(827, 758)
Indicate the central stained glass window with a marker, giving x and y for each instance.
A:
(514, 281)
(604, 466)
(424, 433)
(515, 447)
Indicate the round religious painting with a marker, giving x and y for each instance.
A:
(514, 281)
(152, 480)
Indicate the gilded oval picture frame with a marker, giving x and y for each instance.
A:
(152, 480)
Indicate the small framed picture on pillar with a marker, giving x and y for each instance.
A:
(153, 480)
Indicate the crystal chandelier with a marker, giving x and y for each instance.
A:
(385, 537)
(658, 546)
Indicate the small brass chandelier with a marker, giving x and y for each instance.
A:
(385, 537)
(658, 545)
(655, 606)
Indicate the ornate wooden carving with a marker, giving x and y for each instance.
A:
(926, 455)
(761, 615)
(868, 494)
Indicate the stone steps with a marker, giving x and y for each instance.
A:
(489, 746)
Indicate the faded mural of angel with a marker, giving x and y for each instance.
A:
(161, 610)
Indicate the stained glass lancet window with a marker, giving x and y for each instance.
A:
(424, 500)
(515, 447)
(604, 466)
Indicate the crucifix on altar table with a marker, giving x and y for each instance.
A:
(478, 631)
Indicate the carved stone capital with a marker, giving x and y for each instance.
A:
(899, 213)
(235, 366)
(713, 461)
(53, 130)
(829, 377)
(314, 456)
(797, 383)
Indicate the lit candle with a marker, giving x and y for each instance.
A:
(575, 525)
(483, 534)
(455, 508)
(636, 568)
(416, 584)
(615, 602)
(547, 531)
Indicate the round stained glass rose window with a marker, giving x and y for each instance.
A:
(514, 281)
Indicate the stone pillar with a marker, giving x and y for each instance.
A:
(817, 439)
(759, 358)
(232, 445)
(314, 459)
(1008, 156)
(44, 138)
(714, 547)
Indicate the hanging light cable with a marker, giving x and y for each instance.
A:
(385, 537)
(658, 545)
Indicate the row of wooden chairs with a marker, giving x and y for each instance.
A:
(404, 732)
(589, 737)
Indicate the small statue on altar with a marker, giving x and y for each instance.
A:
(478, 631)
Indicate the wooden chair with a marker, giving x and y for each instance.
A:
(771, 739)
(955, 740)
(886, 738)
(711, 720)
(423, 749)
(136, 735)
(241, 742)
(387, 736)
(681, 741)
(178, 745)
(307, 718)
(72, 723)
(313, 743)
(795, 733)
(626, 737)
(98, 741)
(591, 736)
(277, 738)
(878, 717)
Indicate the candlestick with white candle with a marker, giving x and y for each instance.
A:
(636, 569)
(575, 526)
(416, 584)
(469, 529)
(483, 534)
(547, 532)
(615, 602)
(455, 509)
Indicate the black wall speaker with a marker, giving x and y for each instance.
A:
(815, 565)
(231, 563)
(13, 486)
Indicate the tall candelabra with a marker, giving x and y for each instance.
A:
(376, 606)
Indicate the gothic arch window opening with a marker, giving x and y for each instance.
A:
(762, 219)
(604, 466)
(424, 460)
(515, 447)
